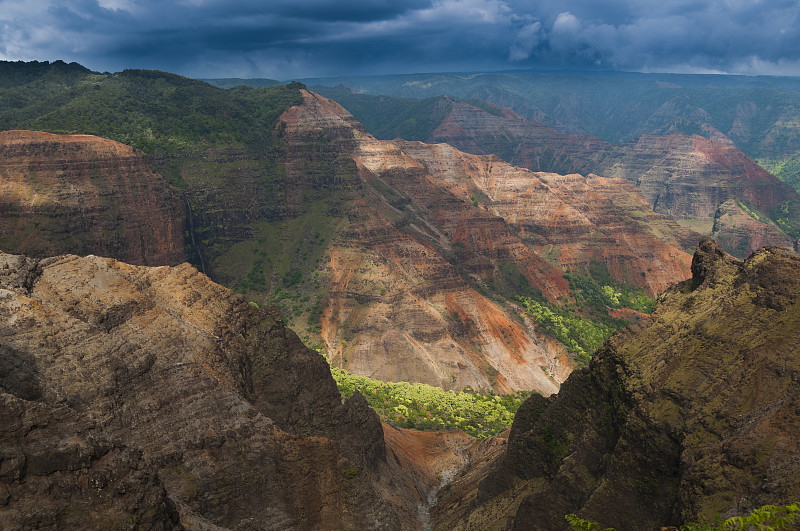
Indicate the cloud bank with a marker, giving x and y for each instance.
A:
(287, 39)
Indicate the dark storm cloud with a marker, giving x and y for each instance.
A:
(295, 38)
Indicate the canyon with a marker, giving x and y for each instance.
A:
(160, 292)
(151, 396)
(687, 177)
(375, 252)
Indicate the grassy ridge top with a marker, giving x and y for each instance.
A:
(160, 113)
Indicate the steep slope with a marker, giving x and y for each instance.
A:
(152, 397)
(574, 219)
(686, 177)
(218, 146)
(84, 194)
(395, 306)
(759, 114)
(375, 257)
(271, 214)
(689, 414)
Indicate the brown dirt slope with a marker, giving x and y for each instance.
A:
(402, 268)
(689, 414)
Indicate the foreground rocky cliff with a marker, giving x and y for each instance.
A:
(84, 194)
(690, 414)
(154, 398)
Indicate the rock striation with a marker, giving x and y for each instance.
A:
(686, 177)
(420, 241)
(152, 397)
(84, 194)
(686, 415)
(402, 270)
(572, 219)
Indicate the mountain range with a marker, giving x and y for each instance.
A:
(399, 267)
(495, 254)
(705, 184)
(758, 114)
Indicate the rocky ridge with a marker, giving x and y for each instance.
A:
(686, 177)
(396, 307)
(154, 397)
(574, 219)
(689, 414)
(405, 268)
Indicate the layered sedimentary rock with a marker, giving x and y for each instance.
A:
(405, 285)
(83, 194)
(397, 306)
(152, 397)
(690, 414)
(576, 220)
(737, 230)
(686, 177)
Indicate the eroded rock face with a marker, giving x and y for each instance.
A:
(689, 414)
(397, 307)
(686, 177)
(153, 397)
(84, 194)
(738, 232)
(576, 219)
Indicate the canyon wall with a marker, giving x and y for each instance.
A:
(85, 194)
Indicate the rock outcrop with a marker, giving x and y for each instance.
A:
(686, 177)
(152, 397)
(688, 414)
(84, 194)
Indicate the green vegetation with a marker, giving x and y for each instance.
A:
(750, 212)
(388, 117)
(583, 326)
(787, 170)
(424, 407)
(579, 524)
(581, 336)
(598, 291)
(766, 518)
(163, 114)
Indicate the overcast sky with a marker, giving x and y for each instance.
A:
(290, 39)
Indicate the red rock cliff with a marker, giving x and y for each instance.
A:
(86, 195)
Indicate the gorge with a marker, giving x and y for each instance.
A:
(140, 392)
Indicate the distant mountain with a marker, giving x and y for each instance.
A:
(690, 415)
(760, 115)
(231, 82)
(689, 178)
